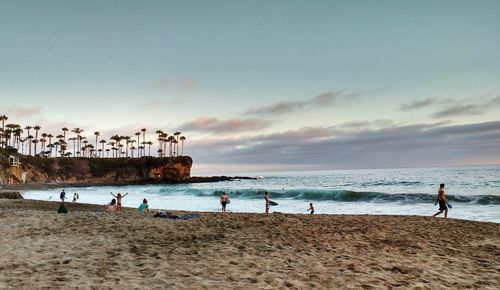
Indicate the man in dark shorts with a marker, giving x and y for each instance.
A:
(223, 201)
(443, 204)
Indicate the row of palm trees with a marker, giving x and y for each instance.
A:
(118, 146)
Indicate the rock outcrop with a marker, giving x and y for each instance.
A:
(99, 170)
(4, 194)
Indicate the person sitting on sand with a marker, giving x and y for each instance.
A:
(144, 207)
(311, 208)
(441, 199)
(119, 197)
(111, 207)
(268, 201)
(223, 201)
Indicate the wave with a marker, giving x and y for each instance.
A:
(360, 196)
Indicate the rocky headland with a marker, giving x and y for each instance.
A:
(47, 172)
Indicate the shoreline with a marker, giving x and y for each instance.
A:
(93, 249)
(194, 179)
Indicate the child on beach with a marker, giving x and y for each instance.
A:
(111, 207)
(75, 197)
(119, 197)
(223, 201)
(268, 201)
(144, 207)
(311, 208)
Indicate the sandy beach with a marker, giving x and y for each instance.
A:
(90, 249)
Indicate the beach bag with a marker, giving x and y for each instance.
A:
(62, 209)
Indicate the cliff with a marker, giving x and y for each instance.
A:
(97, 170)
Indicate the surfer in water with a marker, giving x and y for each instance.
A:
(223, 200)
(268, 201)
(441, 199)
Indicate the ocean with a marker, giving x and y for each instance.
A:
(474, 192)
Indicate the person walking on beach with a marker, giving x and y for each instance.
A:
(75, 197)
(443, 203)
(223, 200)
(268, 201)
(119, 197)
(311, 208)
(144, 207)
(62, 196)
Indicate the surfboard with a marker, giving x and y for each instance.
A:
(449, 205)
(273, 203)
(228, 201)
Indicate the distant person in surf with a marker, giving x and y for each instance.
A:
(62, 196)
(311, 208)
(443, 203)
(223, 200)
(268, 201)
(119, 197)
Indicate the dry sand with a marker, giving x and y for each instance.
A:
(89, 249)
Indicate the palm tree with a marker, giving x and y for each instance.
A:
(44, 136)
(22, 144)
(3, 118)
(149, 143)
(138, 134)
(77, 131)
(74, 146)
(107, 152)
(97, 134)
(34, 141)
(56, 144)
(61, 140)
(84, 148)
(182, 144)
(64, 129)
(177, 134)
(102, 147)
(132, 150)
(170, 140)
(127, 141)
(112, 147)
(28, 129)
(37, 128)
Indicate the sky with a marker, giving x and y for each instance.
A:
(264, 85)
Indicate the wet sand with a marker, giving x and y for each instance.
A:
(90, 249)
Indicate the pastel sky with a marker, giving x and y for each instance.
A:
(264, 85)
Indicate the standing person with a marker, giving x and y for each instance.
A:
(268, 201)
(223, 200)
(441, 199)
(311, 208)
(62, 196)
(144, 207)
(75, 197)
(119, 197)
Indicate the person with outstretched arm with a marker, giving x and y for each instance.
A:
(119, 197)
(443, 204)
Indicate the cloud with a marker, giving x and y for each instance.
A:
(329, 148)
(418, 104)
(326, 99)
(467, 107)
(456, 110)
(19, 111)
(234, 125)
